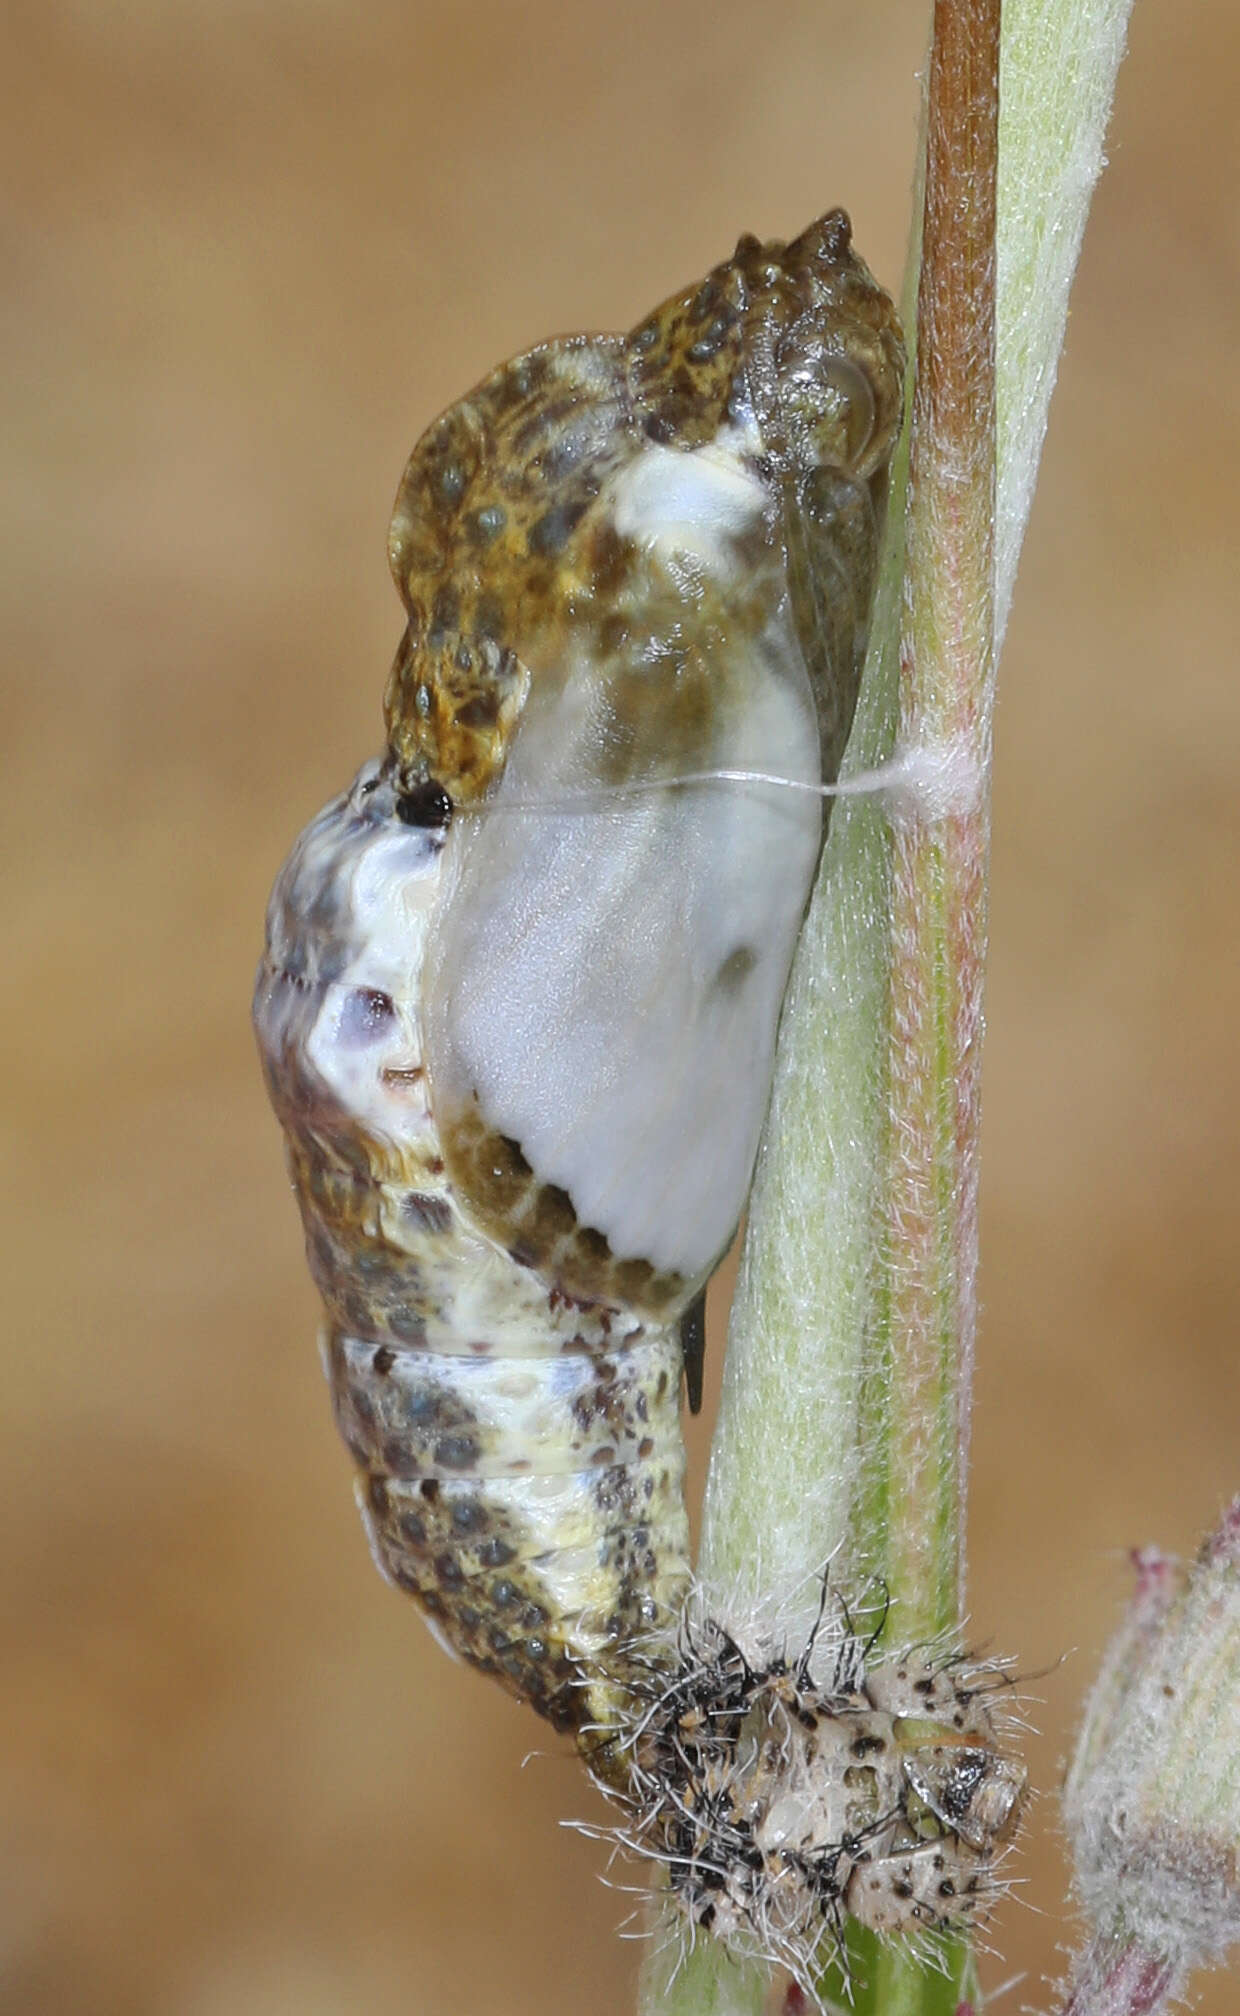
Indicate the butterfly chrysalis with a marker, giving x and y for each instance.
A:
(518, 1005)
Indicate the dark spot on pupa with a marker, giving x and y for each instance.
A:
(495, 1554)
(735, 969)
(426, 804)
(489, 617)
(524, 376)
(553, 1215)
(356, 1311)
(507, 1159)
(467, 1515)
(366, 1014)
(433, 1214)
(661, 427)
(550, 534)
(488, 523)
(710, 341)
(481, 710)
(383, 1360)
(560, 457)
(611, 559)
(613, 633)
(450, 482)
(456, 1452)
(633, 1278)
(430, 1489)
(445, 612)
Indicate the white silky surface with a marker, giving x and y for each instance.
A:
(584, 978)
(684, 505)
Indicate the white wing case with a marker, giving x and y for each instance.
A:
(605, 975)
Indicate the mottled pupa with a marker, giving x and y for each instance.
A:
(518, 1005)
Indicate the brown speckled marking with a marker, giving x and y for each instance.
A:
(446, 1504)
(520, 1450)
(538, 1225)
(505, 559)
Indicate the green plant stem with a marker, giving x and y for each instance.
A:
(822, 1426)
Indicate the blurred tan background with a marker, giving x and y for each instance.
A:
(251, 248)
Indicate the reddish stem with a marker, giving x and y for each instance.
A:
(1113, 1979)
(939, 868)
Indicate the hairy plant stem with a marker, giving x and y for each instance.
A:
(908, 1513)
(1119, 1977)
(843, 1430)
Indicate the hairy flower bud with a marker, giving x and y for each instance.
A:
(1152, 1800)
